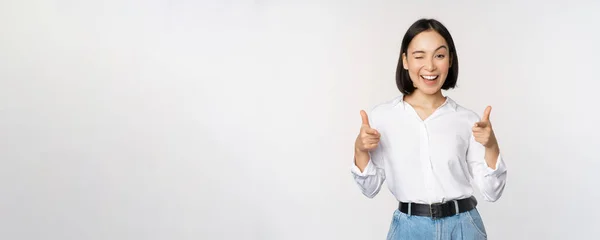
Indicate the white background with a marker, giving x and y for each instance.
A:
(236, 120)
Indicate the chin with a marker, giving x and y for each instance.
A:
(430, 90)
(431, 87)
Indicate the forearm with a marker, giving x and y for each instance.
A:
(361, 159)
(491, 155)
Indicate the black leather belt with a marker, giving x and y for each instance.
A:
(439, 210)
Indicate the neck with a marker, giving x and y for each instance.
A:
(423, 100)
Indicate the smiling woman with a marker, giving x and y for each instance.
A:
(427, 53)
(429, 147)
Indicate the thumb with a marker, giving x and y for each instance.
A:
(486, 114)
(365, 118)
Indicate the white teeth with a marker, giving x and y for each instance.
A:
(429, 77)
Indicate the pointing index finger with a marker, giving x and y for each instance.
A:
(372, 131)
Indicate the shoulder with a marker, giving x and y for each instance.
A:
(386, 105)
(466, 113)
(380, 110)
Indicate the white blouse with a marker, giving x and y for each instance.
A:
(430, 161)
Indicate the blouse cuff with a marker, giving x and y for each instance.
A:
(368, 171)
(500, 167)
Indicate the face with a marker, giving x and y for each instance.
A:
(427, 61)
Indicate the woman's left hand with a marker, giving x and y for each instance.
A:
(483, 132)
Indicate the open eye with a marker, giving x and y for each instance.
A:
(440, 56)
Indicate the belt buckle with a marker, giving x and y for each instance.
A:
(430, 211)
(434, 210)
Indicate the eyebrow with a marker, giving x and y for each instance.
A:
(421, 51)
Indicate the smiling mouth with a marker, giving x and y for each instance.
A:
(430, 77)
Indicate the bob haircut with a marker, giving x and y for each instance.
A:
(405, 85)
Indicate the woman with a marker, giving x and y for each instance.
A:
(429, 148)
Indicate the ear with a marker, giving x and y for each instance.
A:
(404, 61)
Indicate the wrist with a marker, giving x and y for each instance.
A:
(357, 151)
(493, 147)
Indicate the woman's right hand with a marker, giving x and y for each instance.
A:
(368, 138)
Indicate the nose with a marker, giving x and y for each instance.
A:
(429, 65)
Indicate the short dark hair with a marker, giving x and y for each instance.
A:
(403, 81)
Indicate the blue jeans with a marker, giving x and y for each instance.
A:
(466, 226)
